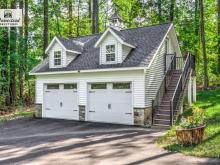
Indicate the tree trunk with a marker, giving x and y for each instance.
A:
(57, 18)
(218, 36)
(70, 18)
(90, 11)
(78, 18)
(21, 58)
(95, 17)
(202, 34)
(172, 10)
(196, 29)
(159, 11)
(4, 42)
(45, 27)
(12, 61)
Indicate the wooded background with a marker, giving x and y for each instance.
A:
(197, 23)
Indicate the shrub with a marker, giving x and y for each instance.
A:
(195, 120)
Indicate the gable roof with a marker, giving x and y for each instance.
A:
(116, 34)
(147, 41)
(67, 45)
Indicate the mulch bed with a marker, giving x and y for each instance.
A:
(6, 111)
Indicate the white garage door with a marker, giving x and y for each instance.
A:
(60, 101)
(110, 103)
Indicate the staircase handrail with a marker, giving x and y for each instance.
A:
(180, 87)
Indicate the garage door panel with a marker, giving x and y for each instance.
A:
(111, 106)
(60, 103)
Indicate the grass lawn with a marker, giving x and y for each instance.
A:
(210, 147)
(17, 113)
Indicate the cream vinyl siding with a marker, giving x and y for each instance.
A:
(82, 79)
(154, 76)
(125, 51)
(155, 73)
(70, 57)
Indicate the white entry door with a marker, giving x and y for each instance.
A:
(110, 103)
(60, 101)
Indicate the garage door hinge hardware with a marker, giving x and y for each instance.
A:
(91, 111)
(91, 91)
(128, 92)
(47, 108)
(47, 91)
(74, 91)
(75, 110)
(128, 113)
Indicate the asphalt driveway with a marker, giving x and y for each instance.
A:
(47, 141)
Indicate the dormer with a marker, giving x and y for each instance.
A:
(62, 51)
(113, 47)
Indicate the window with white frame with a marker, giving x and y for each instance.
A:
(110, 53)
(57, 58)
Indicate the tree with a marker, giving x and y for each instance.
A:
(70, 5)
(45, 28)
(21, 58)
(95, 17)
(172, 10)
(78, 18)
(12, 61)
(203, 41)
(218, 34)
(4, 43)
(159, 10)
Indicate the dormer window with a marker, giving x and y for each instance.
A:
(110, 53)
(57, 58)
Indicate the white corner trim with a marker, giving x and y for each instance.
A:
(161, 43)
(115, 35)
(56, 39)
(88, 71)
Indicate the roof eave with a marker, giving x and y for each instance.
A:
(87, 71)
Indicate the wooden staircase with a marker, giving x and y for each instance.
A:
(162, 114)
(166, 105)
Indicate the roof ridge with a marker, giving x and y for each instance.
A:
(89, 35)
(146, 26)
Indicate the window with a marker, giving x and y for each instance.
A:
(110, 53)
(99, 86)
(70, 86)
(53, 86)
(57, 58)
(121, 85)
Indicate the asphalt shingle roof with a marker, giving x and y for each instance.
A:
(145, 39)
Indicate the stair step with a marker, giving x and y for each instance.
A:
(162, 121)
(162, 116)
(164, 112)
(160, 126)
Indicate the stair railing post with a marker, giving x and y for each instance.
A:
(174, 61)
(152, 118)
(171, 113)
